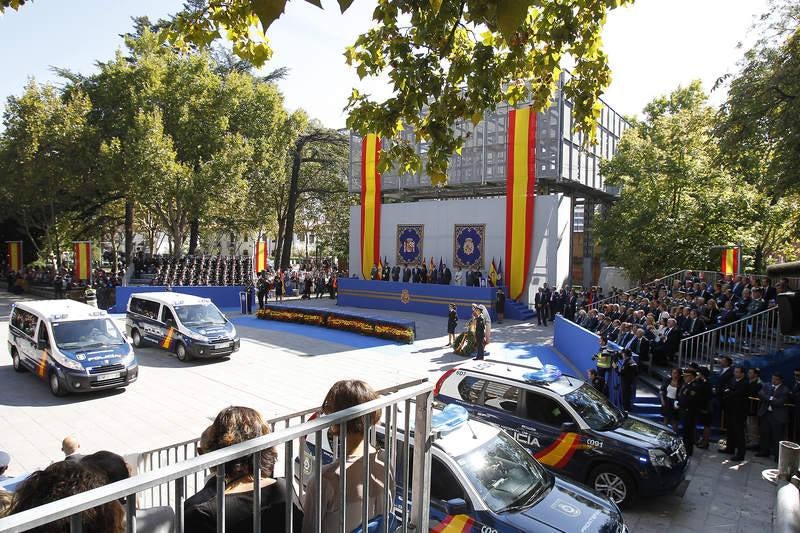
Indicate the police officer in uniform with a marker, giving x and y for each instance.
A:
(262, 288)
(480, 332)
(688, 399)
(603, 358)
(735, 399)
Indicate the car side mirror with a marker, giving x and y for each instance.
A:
(568, 426)
(456, 506)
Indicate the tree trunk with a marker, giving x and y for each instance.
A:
(279, 243)
(291, 208)
(128, 231)
(758, 259)
(194, 235)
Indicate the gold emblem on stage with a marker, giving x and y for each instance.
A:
(469, 246)
(404, 296)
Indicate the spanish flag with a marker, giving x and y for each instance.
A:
(261, 254)
(431, 268)
(520, 197)
(83, 259)
(730, 261)
(380, 268)
(14, 255)
(492, 274)
(370, 203)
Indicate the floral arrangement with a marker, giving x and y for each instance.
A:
(328, 319)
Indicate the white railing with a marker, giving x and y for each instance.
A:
(417, 398)
(755, 334)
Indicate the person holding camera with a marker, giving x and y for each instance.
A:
(603, 357)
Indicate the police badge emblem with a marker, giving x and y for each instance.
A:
(468, 245)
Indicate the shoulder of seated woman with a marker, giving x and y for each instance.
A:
(248, 487)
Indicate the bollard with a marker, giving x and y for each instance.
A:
(787, 509)
(788, 459)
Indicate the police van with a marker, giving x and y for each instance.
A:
(482, 481)
(570, 427)
(73, 346)
(189, 326)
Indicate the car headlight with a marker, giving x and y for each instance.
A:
(128, 358)
(66, 361)
(658, 457)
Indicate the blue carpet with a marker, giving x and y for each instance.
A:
(345, 338)
(524, 353)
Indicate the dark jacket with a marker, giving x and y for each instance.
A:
(735, 398)
(773, 402)
(641, 347)
(480, 329)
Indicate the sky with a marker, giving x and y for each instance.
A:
(653, 46)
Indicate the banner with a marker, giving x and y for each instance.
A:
(370, 203)
(14, 255)
(409, 244)
(468, 252)
(83, 260)
(520, 197)
(261, 256)
(730, 261)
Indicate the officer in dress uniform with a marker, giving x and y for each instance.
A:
(396, 273)
(406, 274)
(688, 397)
(386, 275)
(262, 288)
(480, 332)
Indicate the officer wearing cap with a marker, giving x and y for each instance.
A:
(603, 357)
(688, 403)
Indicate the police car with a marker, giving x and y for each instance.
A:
(73, 346)
(187, 325)
(570, 427)
(482, 481)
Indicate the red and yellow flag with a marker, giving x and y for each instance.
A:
(370, 203)
(730, 261)
(520, 196)
(261, 254)
(83, 259)
(380, 268)
(14, 255)
(492, 274)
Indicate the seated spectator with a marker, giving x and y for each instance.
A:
(757, 304)
(693, 325)
(63, 479)
(667, 345)
(727, 315)
(114, 468)
(232, 426)
(70, 447)
(343, 395)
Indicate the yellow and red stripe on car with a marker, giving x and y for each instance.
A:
(459, 523)
(167, 342)
(560, 452)
(42, 370)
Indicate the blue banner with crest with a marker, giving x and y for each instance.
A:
(409, 244)
(468, 245)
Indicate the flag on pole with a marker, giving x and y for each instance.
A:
(492, 274)
(730, 261)
(380, 268)
(500, 270)
(14, 255)
(82, 251)
(520, 198)
(441, 263)
(370, 203)
(261, 256)
(431, 268)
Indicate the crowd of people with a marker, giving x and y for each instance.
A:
(306, 281)
(436, 274)
(79, 473)
(203, 270)
(62, 280)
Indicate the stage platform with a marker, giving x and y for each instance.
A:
(364, 322)
(425, 298)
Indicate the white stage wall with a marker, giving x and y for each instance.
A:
(550, 253)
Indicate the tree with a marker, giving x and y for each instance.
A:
(676, 201)
(448, 61)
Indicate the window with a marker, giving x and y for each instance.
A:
(444, 485)
(24, 321)
(145, 308)
(470, 389)
(44, 337)
(166, 315)
(501, 396)
(546, 410)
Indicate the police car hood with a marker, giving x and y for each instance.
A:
(569, 508)
(213, 331)
(643, 433)
(97, 356)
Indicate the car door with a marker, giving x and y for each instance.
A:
(446, 487)
(558, 437)
(25, 324)
(501, 404)
(169, 328)
(152, 329)
(42, 355)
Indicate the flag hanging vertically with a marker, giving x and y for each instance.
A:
(370, 203)
(431, 268)
(14, 255)
(380, 268)
(83, 259)
(261, 254)
(730, 261)
(520, 196)
(492, 274)
(500, 271)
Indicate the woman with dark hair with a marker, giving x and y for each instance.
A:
(343, 395)
(63, 479)
(232, 426)
(669, 397)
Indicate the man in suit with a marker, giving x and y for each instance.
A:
(434, 275)
(373, 273)
(446, 276)
(772, 416)
(735, 400)
(386, 275)
(757, 303)
(555, 304)
(396, 273)
(70, 447)
(540, 303)
(592, 321)
(694, 325)
(640, 345)
(406, 274)
(572, 307)
(480, 331)
(628, 372)
(668, 345)
(625, 335)
(423, 274)
(738, 287)
(770, 292)
(613, 332)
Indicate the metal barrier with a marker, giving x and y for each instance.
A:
(749, 335)
(417, 398)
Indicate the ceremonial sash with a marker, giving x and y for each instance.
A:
(370, 203)
(520, 196)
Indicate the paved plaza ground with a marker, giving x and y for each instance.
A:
(283, 368)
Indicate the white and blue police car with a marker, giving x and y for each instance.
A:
(187, 325)
(570, 427)
(483, 481)
(73, 346)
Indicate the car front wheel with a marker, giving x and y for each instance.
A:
(182, 353)
(56, 387)
(136, 337)
(612, 482)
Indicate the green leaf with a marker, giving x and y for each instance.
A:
(268, 11)
(344, 4)
(510, 14)
(317, 3)
(436, 5)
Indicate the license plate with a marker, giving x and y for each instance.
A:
(107, 377)
(224, 345)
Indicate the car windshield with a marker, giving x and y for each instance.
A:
(199, 315)
(92, 333)
(594, 408)
(504, 474)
